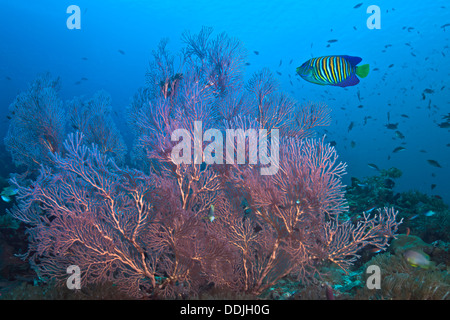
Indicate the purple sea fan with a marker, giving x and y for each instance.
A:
(169, 228)
(345, 240)
(93, 117)
(85, 211)
(218, 61)
(287, 213)
(40, 122)
(37, 125)
(290, 223)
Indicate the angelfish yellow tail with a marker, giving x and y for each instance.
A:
(362, 71)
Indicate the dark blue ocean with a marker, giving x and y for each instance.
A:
(407, 55)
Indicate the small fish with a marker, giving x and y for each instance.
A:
(429, 213)
(247, 63)
(362, 185)
(84, 79)
(211, 216)
(84, 58)
(398, 149)
(256, 52)
(279, 73)
(399, 135)
(358, 5)
(374, 250)
(391, 65)
(417, 259)
(444, 125)
(391, 126)
(350, 127)
(8, 193)
(332, 41)
(341, 71)
(404, 116)
(333, 143)
(445, 25)
(290, 62)
(281, 62)
(373, 166)
(370, 210)
(353, 144)
(121, 52)
(434, 163)
(428, 91)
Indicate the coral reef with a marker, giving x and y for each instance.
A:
(187, 215)
(40, 122)
(427, 217)
(401, 281)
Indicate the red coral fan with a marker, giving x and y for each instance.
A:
(168, 228)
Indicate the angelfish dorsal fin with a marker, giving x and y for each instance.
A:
(352, 60)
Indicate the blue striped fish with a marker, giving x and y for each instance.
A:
(341, 71)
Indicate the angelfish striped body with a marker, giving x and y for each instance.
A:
(339, 71)
(331, 70)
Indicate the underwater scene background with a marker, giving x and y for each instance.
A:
(139, 225)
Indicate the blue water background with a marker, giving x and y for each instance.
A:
(35, 39)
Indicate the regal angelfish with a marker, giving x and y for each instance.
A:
(339, 71)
